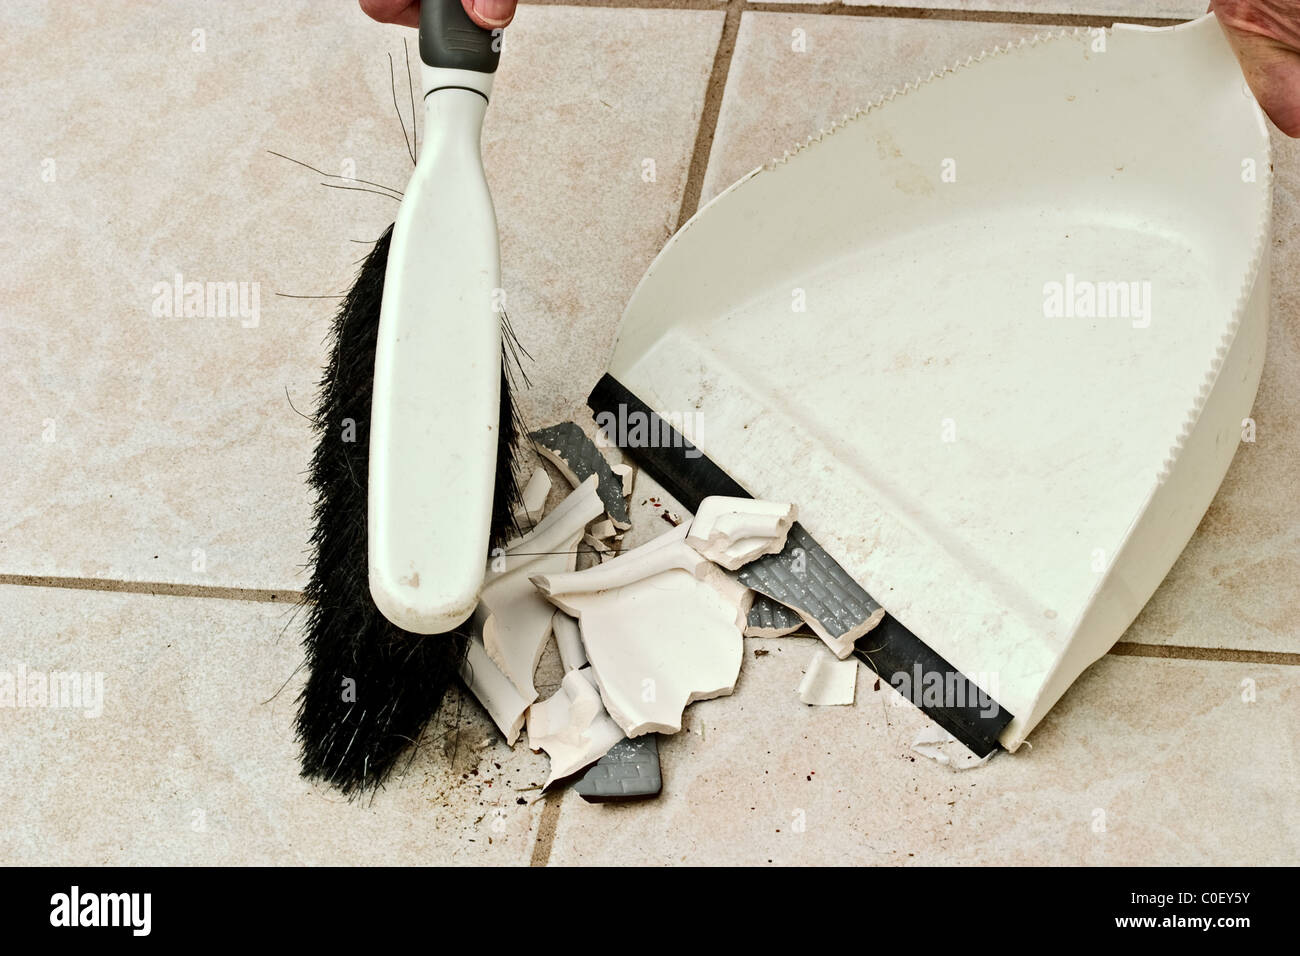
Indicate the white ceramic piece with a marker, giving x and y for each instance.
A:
(494, 690)
(658, 554)
(661, 625)
(568, 640)
(734, 531)
(572, 726)
(828, 681)
(514, 619)
(935, 743)
(533, 503)
(602, 529)
(1025, 350)
(628, 475)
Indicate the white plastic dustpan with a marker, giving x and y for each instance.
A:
(995, 337)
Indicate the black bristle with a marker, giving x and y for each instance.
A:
(507, 495)
(371, 686)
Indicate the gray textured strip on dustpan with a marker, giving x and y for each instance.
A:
(803, 575)
(628, 771)
(890, 649)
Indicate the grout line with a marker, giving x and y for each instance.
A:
(262, 595)
(709, 113)
(1178, 652)
(839, 9)
(546, 828)
(287, 596)
(981, 16)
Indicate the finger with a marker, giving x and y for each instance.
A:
(1273, 72)
(402, 12)
(490, 14)
(1276, 82)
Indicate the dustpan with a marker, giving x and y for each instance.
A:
(996, 335)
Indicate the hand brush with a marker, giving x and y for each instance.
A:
(414, 466)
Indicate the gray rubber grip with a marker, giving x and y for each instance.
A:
(450, 39)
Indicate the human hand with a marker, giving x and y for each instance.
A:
(1265, 35)
(489, 14)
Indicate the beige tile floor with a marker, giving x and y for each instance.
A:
(155, 513)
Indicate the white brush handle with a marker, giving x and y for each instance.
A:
(435, 415)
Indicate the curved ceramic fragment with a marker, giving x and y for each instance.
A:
(568, 638)
(572, 726)
(496, 692)
(533, 500)
(659, 554)
(513, 618)
(662, 627)
(829, 681)
(734, 531)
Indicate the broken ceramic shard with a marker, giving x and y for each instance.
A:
(496, 692)
(568, 639)
(629, 771)
(601, 548)
(768, 618)
(602, 538)
(533, 500)
(734, 531)
(572, 726)
(946, 750)
(807, 580)
(568, 447)
(828, 681)
(666, 552)
(627, 474)
(661, 625)
(512, 617)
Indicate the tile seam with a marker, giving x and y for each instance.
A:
(709, 113)
(547, 825)
(950, 16)
(289, 596)
(113, 585)
(1221, 654)
(941, 14)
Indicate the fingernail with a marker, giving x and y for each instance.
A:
(495, 12)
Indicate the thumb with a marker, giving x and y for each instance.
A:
(490, 14)
(1270, 63)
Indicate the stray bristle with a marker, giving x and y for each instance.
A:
(371, 686)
